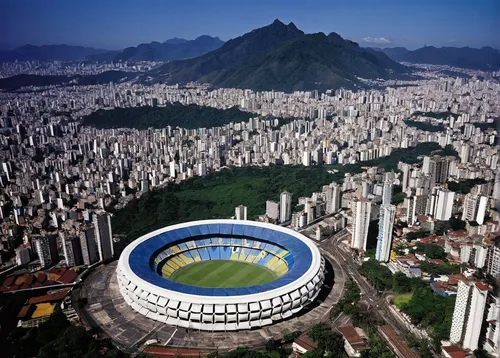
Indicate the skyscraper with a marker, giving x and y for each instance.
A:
(361, 212)
(385, 228)
(103, 235)
(240, 212)
(285, 206)
(46, 249)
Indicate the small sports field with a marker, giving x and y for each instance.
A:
(223, 274)
(401, 300)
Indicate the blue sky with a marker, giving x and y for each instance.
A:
(116, 24)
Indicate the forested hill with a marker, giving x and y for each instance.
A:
(173, 114)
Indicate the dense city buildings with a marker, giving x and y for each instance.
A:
(63, 180)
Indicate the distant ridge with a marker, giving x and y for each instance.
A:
(172, 49)
(282, 57)
(485, 58)
(48, 53)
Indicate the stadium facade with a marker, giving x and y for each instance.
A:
(146, 264)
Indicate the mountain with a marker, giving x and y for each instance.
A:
(48, 53)
(233, 52)
(173, 49)
(486, 58)
(282, 57)
(175, 41)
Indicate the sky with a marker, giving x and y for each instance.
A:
(115, 24)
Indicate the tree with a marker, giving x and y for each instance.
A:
(401, 282)
(328, 341)
(431, 251)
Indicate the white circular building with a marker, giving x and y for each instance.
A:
(274, 272)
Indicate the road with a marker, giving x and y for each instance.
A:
(371, 298)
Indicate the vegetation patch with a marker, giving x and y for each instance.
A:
(401, 300)
(173, 114)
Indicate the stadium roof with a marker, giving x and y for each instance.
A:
(136, 257)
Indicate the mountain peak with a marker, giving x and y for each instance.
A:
(175, 41)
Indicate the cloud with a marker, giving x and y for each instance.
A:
(377, 40)
(452, 41)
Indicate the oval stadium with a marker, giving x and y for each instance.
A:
(220, 275)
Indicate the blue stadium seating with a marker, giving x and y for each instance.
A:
(181, 254)
(225, 253)
(204, 253)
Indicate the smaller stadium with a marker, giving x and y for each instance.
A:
(220, 275)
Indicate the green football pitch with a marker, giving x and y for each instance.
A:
(223, 273)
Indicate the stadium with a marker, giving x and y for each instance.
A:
(220, 275)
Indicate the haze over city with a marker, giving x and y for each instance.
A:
(119, 24)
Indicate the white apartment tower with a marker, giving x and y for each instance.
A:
(385, 228)
(361, 211)
(492, 341)
(468, 314)
(272, 210)
(103, 235)
(333, 198)
(240, 212)
(444, 205)
(285, 206)
(475, 207)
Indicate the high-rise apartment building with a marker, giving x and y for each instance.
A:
(385, 229)
(361, 211)
(475, 207)
(492, 338)
(468, 314)
(88, 245)
(240, 212)
(387, 189)
(272, 210)
(46, 249)
(285, 206)
(72, 251)
(444, 204)
(333, 198)
(492, 260)
(103, 235)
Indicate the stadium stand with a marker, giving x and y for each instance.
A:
(261, 253)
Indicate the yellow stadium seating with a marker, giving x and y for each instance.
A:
(175, 249)
(186, 259)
